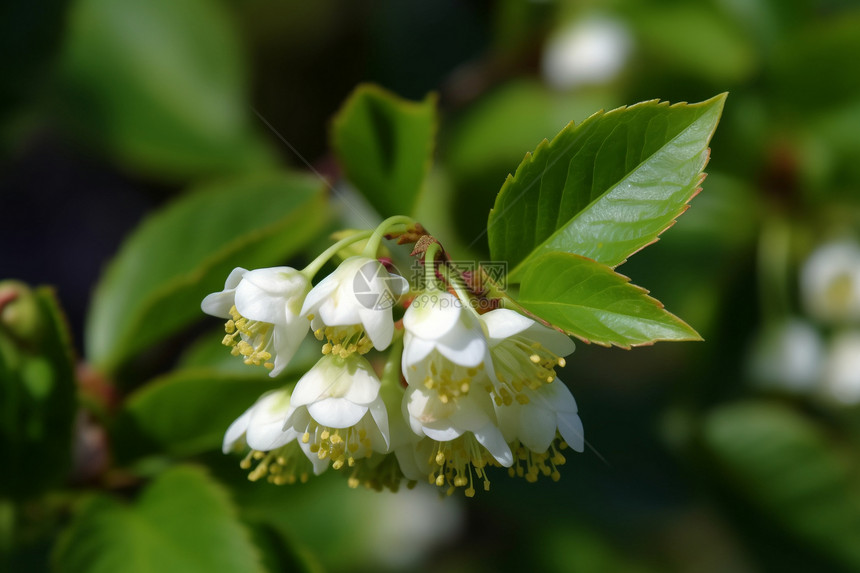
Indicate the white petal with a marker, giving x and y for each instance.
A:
(236, 430)
(380, 417)
(469, 413)
(352, 379)
(463, 347)
(555, 396)
(491, 438)
(398, 285)
(320, 465)
(570, 428)
(286, 340)
(336, 412)
(258, 304)
(537, 428)
(415, 350)
(379, 326)
(317, 295)
(218, 303)
(266, 427)
(556, 342)
(443, 433)
(503, 323)
(406, 459)
(432, 315)
(508, 418)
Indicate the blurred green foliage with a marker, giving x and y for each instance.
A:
(694, 466)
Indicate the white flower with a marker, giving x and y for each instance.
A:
(339, 414)
(462, 437)
(273, 446)
(591, 51)
(830, 282)
(524, 353)
(263, 310)
(444, 347)
(842, 373)
(351, 307)
(539, 428)
(788, 354)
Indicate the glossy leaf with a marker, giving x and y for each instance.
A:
(37, 397)
(187, 412)
(604, 188)
(182, 523)
(792, 470)
(594, 303)
(161, 85)
(177, 256)
(385, 146)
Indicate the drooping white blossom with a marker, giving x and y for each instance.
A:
(262, 307)
(339, 414)
(540, 428)
(524, 353)
(352, 307)
(445, 349)
(273, 447)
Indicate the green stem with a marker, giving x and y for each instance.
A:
(430, 266)
(391, 371)
(315, 265)
(456, 281)
(375, 239)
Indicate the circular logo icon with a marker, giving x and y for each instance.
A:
(374, 288)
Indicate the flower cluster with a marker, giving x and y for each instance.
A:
(455, 393)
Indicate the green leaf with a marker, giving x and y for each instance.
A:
(385, 146)
(187, 412)
(182, 523)
(37, 395)
(791, 469)
(604, 188)
(186, 251)
(594, 303)
(161, 85)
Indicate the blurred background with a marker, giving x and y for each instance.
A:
(739, 453)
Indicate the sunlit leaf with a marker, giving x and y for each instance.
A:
(180, 254)
(604, 188)
(594, 303)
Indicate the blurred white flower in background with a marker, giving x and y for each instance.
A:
(788, 355)
(842, 370)
(588, 51)
(830, 282)
(410, 525)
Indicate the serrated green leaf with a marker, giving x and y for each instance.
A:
(789, 468)
(604, 188)
(37, 401)
(182, 523)
(385, 146)
(184, 252)
(594, 303)
(186, 412)
(161, 85)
